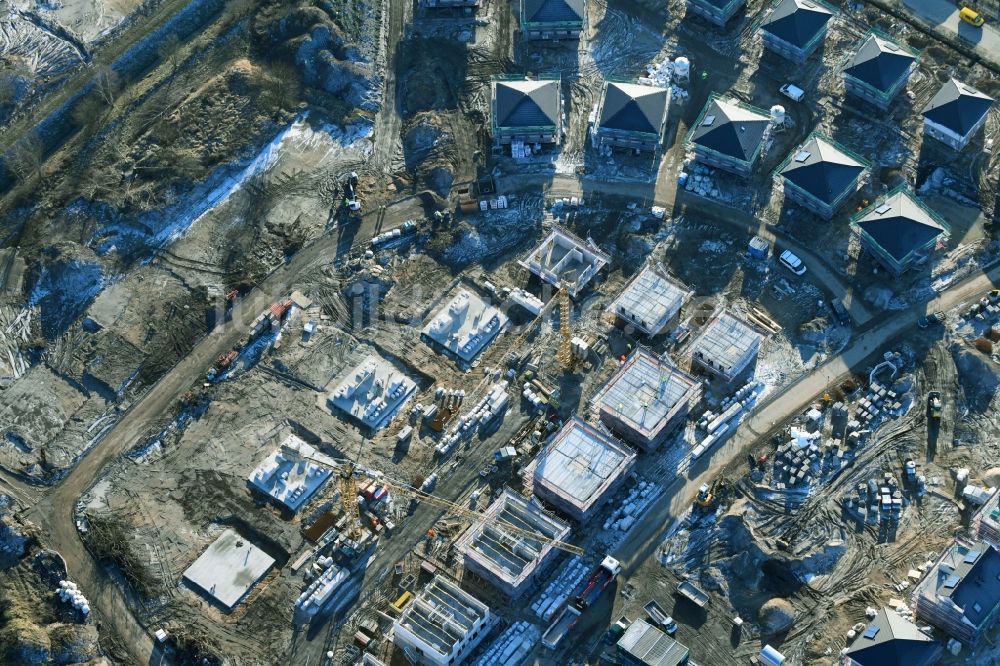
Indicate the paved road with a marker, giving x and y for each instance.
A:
(791, 400)
(54, 513)
(942, 15)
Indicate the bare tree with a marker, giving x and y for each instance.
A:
(26, 157)
(108, 85)
(8, 89)
(169, 52)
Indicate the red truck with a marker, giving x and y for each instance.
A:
(589, 591)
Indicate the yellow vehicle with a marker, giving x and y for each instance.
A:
(402, 601)
(971, 16)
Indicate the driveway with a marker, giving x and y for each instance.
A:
(943, 16)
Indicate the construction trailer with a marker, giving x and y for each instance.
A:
(580, 469)
(510, 561)
(647, 399)
(960, 594)
(441, 625)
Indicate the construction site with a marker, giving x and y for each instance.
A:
(465, 332)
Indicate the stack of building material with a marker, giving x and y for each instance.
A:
(512, 646)
(556, 593)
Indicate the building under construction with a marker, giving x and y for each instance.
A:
(960, 594)
(580, 469)
(511, 561)
(651, 301)
(442, 625)
(986, 522)
(647, 399)
(564, 260)
(464, 327)
(726, 347)
(372, 392)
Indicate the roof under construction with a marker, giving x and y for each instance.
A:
(645, 395)
(651, 300)
(727, 345)
(579, 466)
(508, 560)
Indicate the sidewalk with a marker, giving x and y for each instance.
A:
(943, 17)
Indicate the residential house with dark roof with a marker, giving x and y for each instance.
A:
(878, 70)
(892, 640)
(794, 29)
(898, 230)
(553, 19)
(443, 4)
(716, 11)
(729, 135)
(821, 175)
(528, 110)
(632, 116)
(960, 594)
(956, 113)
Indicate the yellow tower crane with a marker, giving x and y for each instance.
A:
(349, 500)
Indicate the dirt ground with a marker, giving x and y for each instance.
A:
(181, 188)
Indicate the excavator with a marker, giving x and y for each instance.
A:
(708, 494)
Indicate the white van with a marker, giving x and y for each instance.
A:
(790, 261)
(792, 92)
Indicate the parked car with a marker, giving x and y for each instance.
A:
(792, 92)
(972, 17)
(840, 312)
(790, 261)
(927, 320)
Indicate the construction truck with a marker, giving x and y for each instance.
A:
(705, 496)
(589, 592)
(934, 404)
